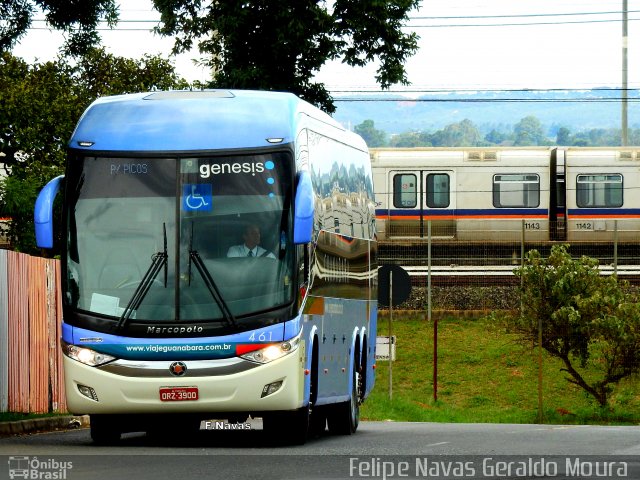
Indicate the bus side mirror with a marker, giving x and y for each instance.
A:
(303, 219)
(43, 213)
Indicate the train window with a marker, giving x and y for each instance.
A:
(405, 192)
(437, 190)
(599, 190)
(561, 199)
(516, 190)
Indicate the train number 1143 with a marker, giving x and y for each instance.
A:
(532, 225)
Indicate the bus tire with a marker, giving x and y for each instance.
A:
(300, 426)
(344, 418)
(363, 371)
(104, 429)
(317, 422)
(317, 415)
(287, 428)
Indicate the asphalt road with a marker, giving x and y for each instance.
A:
(382, 450)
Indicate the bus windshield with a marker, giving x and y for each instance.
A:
(199, 239)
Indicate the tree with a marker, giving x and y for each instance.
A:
(461, 134)
(410, 140)
(496, 137)
(40, 106)
(528, 131)
(78, 19)
(587, 319)
(101, 73)
(372, 136)
(563, 137)
(262, 44)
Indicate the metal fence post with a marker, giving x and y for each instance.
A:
(615, 247)
(429, 310)
(540, 412)
(429, 270)
(522, 247)
(390, 346)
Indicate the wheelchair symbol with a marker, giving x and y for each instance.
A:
(197, 197)
(194, 200)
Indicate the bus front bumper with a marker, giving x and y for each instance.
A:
(232, 385)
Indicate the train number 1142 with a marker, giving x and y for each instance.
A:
(584, 226)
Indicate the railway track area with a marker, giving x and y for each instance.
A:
(486, 275)
(485, 264)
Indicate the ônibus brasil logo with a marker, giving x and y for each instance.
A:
(33, 467)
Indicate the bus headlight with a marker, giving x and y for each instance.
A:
(273, 351)
(86, 355)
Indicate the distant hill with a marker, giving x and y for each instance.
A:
(576, 110)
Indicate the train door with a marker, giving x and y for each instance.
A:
(438, 203)
(417, 197)
(405, 204)
(557, 196)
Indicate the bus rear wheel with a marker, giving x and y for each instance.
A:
(344, 418)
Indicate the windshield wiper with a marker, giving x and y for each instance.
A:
(194, 257)
(158, 260)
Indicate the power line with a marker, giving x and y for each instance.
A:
(488, 90)
(490, 100)
(43, 20)
(529, 24)
(103, 29)
(461, 25)
(458, 17)
(447, 25)
(527, 15)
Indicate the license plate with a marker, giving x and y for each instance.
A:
(178, 394)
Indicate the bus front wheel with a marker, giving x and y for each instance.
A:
(288, 428)
(105, 430)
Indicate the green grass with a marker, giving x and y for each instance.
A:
(13, 417)
(484, 375)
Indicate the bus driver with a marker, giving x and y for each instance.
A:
(250, 247)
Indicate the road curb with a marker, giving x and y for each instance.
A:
(43, 424)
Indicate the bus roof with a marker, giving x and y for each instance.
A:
(192, 121)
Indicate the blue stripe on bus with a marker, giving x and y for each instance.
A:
(192, 348)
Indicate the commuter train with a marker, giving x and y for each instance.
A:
(492, 195)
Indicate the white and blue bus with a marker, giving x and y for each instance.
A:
(162, 328)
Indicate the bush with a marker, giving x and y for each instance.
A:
(584, 318)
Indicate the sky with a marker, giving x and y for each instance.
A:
(464, 45)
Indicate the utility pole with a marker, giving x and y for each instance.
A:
(625, 43)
